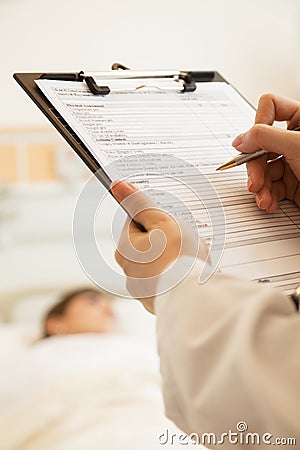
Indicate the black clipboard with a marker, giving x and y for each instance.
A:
(27, 82)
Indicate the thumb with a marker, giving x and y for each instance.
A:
(271, 139)
(137, 204)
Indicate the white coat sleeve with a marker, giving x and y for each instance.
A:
(229, 352)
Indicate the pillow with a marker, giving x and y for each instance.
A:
(15, 338)
(31, 309)
(132, 317)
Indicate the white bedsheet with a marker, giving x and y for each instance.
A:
(83, 392)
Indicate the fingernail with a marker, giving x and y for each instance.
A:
(122, 189)
(250, 184)
(260, 202)
(237, 141)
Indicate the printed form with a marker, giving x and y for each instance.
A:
(131, 131)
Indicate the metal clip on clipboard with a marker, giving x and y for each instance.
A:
(181, 81)
(178, 81)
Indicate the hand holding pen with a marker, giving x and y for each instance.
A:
(270, 178)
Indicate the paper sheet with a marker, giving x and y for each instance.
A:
(198, 128)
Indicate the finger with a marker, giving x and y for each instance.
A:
(141, 248)
(138, 205)
(271, 139)
(263, 197)
(256, 173)
(119, 254)
(276, 168)
(257, 168)
(297, 195)
(274, 107)
(278, 193)
(290, 181)
(119, 258)
(126, 250)
(274, 172)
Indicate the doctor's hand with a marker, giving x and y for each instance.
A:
(145, 255)
(271, 179)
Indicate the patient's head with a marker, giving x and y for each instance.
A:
(80, 311)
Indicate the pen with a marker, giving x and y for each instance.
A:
(246, 157)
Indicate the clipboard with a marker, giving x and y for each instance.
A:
(27, 83)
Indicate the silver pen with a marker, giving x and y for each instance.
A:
(243, 158)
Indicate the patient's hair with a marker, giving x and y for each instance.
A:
(60, 308)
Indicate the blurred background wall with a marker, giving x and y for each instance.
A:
(254, 44)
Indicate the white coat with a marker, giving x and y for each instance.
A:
(230, 352)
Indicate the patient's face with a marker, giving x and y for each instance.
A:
(86, 313)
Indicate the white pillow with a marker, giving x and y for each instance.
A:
(30, 309)
(132, 317)
(15, 338)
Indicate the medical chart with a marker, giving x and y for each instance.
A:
(137, 128)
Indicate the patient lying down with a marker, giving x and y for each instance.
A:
(80, 311)
(85, 386)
